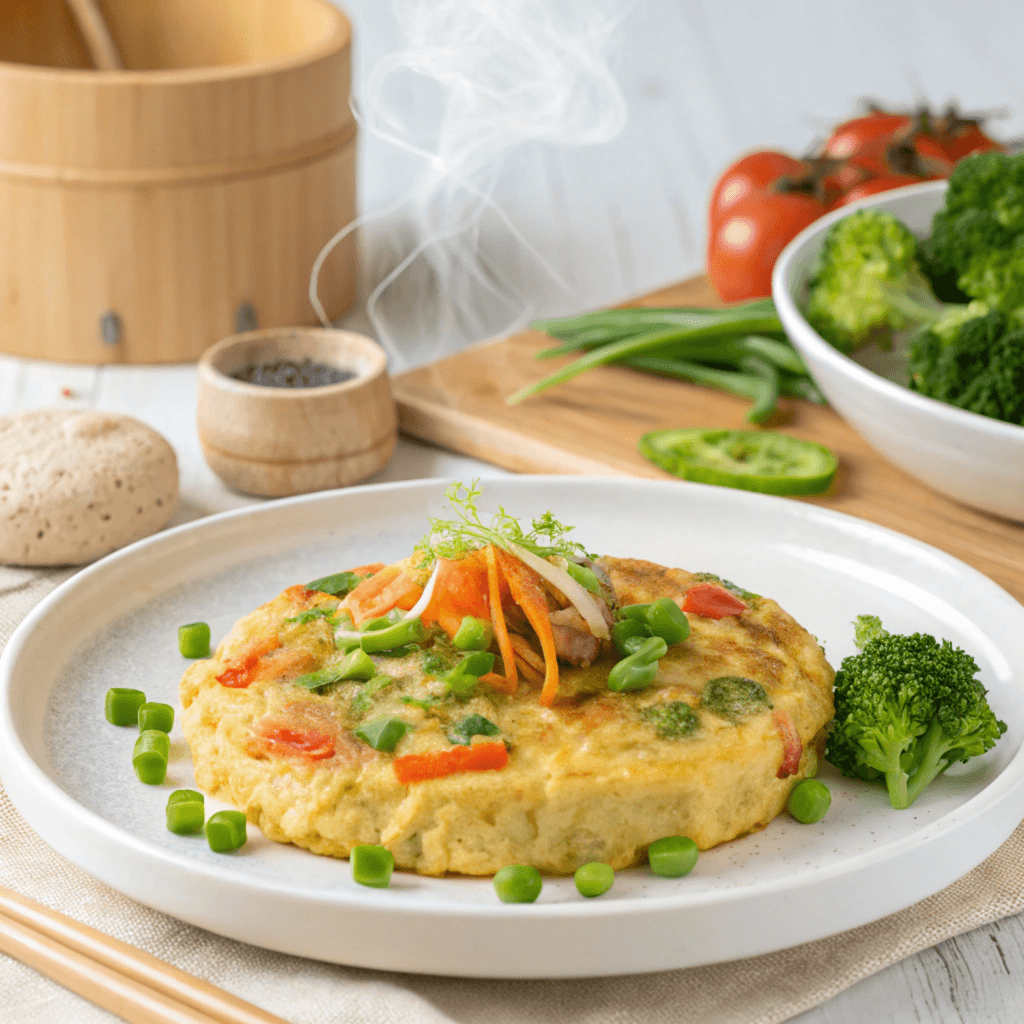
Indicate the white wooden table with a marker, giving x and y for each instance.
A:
(703, 81)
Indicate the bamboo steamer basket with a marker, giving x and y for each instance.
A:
(146, 213)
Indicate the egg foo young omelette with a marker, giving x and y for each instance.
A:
(503, 697)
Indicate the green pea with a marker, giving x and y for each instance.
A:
(149, 758)
(594, 879)
(810, 800)
(408, 631)
(225, 831)
(667, 620)
(473, 634)
(518, 883)
(194, 640)
(156, 716)
(121, 705)
(673, 856)
(185, 816)
(383, 733)
(372, 866)
(628, 634)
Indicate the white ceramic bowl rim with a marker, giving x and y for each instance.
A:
(784, 285)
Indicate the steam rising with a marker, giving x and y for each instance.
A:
(446, 259)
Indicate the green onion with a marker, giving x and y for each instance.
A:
(409, 631)
(186, 796)
(156, 716)
(185, 811)
(149, 757)
(121, 706)
(383, 733)
(372, 866)
(194, 640)
(473, 634)
(226, 831)
(741, 350)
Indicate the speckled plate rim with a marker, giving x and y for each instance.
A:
(181, 887)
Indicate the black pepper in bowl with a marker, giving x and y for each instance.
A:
(289, 374)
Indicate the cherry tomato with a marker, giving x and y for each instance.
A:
(749, 174)
(744, 245)
(875, 185)
(851, 137)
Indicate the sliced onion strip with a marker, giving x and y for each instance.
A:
(580, 598)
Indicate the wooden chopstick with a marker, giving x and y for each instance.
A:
(98, 39)
(126, 981)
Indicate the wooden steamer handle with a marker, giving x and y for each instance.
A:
(98, 39)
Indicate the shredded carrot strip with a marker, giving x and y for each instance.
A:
(498, 620)
(527, 592)
(496, 681)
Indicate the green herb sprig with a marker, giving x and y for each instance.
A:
(455, 538)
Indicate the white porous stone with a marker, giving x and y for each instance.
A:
(77, 485)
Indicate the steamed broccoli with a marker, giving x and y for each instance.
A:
(868, 264)
(907, 707)
(979, 368)
(979, 233)
(869, 284)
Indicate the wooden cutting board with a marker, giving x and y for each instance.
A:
(591, 425)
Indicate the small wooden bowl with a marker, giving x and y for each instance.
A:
(276, 441)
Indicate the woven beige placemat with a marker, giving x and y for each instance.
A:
(761, 990)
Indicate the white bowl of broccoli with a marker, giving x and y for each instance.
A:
(870, 286)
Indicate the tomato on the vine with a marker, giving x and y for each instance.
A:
(749, 174)
(853, 136)
(967, 138)
(873, 186)
(746, 242)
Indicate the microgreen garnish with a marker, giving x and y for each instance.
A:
(455, 538)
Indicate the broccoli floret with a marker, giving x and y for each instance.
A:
(979, 367)
(979, 233)
(907, 707)
(869, 285)
(672, 721)
(867, 628)
(735, 698)
(868, 265)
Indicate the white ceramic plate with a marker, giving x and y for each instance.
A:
(114, 624)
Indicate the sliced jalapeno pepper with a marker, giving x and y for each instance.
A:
(752, 460)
